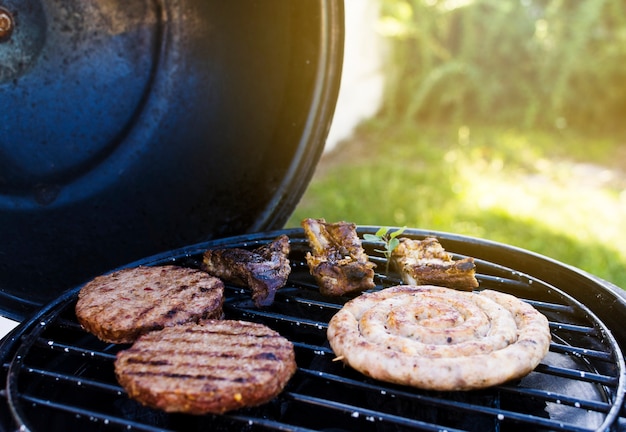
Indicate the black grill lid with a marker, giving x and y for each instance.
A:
(130, 127)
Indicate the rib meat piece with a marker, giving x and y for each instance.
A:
(337, 259)
(264, 270)
(425, 262)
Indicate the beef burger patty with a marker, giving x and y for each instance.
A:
(213, 367)
(121, 306)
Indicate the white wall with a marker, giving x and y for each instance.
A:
(362, 82)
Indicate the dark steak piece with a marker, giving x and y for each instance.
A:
(121, 306)
(264, 270)
(213, 367)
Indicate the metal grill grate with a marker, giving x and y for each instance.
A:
(61, 378)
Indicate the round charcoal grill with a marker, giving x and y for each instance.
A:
(58, 377)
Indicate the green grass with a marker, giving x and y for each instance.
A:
(559, 194)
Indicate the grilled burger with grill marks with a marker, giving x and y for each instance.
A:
(121, 306)
(214, 367)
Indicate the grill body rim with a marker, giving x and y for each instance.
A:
(14, 347)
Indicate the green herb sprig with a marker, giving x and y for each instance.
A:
(389, 239)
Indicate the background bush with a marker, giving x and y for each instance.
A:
(538, 63)
(503, 120)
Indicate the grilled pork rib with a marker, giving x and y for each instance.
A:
(337, 259)
(264, 270)
(425, 262)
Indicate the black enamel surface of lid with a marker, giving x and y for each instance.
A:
(132, 127)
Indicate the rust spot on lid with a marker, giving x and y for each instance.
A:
(6, 24)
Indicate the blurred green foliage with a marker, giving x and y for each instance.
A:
(547, 63)
(503, 120)
(498, 183)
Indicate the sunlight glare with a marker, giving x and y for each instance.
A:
(557, 197)
(448, 5)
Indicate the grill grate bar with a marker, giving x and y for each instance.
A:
(68, 324)
(502, 277)
(577, 374)
(295, 299)
(369, 415)
(315, 349)
(269, 424)
(424, 399)
(581, 352)
(584, 330)
(499, 415)
(111, 420)
(73, 379)
(556, 307)
(93, 416)
(72, 349)
(560, 398)
(577, 402)
(301, 322)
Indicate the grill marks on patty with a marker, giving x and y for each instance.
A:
(193, 344)
(121, 306)
(213, 367)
